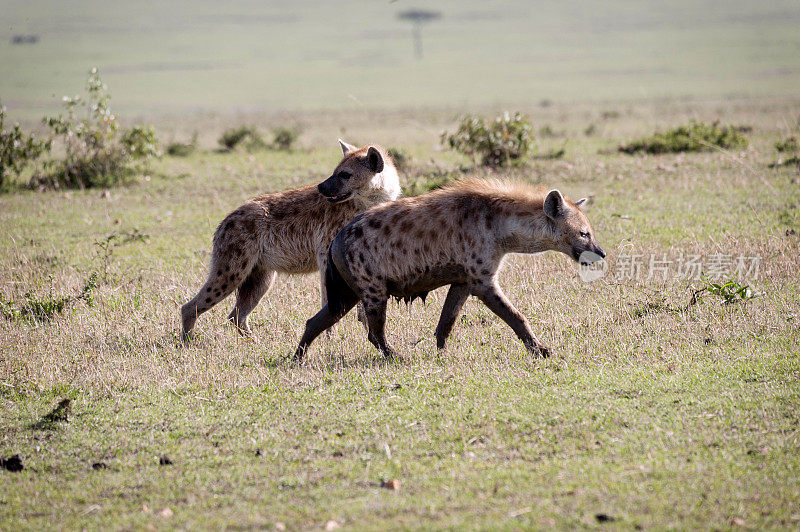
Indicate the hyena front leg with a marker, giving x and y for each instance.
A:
(254, 287)
(493, 297)
(228, 271)
(375, 310)
(456, 297)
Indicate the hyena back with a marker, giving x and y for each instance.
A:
(289, 232)
(456, 236)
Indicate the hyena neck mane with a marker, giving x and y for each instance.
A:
(514, 212)
(385, 186)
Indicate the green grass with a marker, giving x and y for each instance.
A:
(519, 445)
(190, 56)
(654, 417)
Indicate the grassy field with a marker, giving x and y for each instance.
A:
(180, 57)
(652, 413)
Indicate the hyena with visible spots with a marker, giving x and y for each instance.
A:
(289, 232)
(457, 236)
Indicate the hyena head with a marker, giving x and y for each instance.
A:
(571, 232)
(366, 175)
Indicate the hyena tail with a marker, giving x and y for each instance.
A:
(341, 296)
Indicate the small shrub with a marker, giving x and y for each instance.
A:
(40, 309)
(141, 143)
(96, 153)
(788, 145)
(233, 137)
(507, 140)
(283, 138)
(17, 150)
(179, 149)
(697, 136)
(730, 291)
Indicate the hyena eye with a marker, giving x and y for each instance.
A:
(584, 234)
(345, 175)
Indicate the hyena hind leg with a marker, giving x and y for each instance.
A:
(254, 287)
(223, 278)
(320, 322)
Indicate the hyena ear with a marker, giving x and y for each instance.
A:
(581, 201)
(346, 148)
(374, 160)
(554, 206)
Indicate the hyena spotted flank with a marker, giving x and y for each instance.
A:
(457, 236)
(289, 232)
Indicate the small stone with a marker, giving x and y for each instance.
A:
(604, 518)
(332, 525)
(165, 512)
(393, 484)
(12, 463)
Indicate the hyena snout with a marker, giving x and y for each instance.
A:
(588, 254)
(334, 190)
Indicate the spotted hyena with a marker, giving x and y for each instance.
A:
(289, 232)
(457, 236)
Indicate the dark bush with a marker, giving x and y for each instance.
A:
(506, 140)
(283, 138)
(233, 137)
(697, 136)
(179, 149)
(788, 145)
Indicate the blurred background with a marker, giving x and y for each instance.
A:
(170, 58)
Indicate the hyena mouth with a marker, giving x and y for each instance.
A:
(339, 198)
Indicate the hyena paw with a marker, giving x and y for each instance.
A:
(390, 354)
(543, 351)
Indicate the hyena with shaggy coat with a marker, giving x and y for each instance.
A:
(289, 232)
(457, 236)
